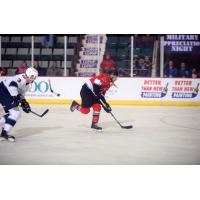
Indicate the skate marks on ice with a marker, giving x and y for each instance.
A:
(31, 131)
(182, 121)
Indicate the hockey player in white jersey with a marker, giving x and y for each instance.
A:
(12, 91)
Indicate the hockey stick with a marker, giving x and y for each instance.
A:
(42, 115)
(125, 127)
(102, 103)
(57, 94)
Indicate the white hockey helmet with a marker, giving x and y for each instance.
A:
(31, 73)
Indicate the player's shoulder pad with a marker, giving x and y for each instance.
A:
(20, 79)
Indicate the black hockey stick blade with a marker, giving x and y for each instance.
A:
(127, 127)
(42, 115)
(45, 112)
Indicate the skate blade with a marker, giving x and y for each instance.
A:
(11, 139)
(2, 139)
(72, 109)
(97, 131)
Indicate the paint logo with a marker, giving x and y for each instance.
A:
(187, 95)
(154, 89)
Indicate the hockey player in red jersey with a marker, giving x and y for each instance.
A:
(92, 93)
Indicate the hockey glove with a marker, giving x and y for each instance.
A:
(104, 104)
(107, 108)
(101, 98)
(25, 106)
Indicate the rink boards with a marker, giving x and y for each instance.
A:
(129, 91)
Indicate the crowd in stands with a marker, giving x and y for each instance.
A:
(142, 68)
(182, 71)
(142, 65)
(109, 63)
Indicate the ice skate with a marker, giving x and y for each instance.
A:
(74, 106)
(95, 127)
(5, 136)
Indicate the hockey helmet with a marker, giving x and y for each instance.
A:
(31, 73)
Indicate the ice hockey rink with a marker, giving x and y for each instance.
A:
(160, 135)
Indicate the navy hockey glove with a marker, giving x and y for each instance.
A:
(25, 106)
(106, 107)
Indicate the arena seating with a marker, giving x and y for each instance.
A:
(17, 48)
(120, 48)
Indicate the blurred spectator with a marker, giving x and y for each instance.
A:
(183, 72)
(170, 71)
(41, 70)
(140, 64)
(140, 68)
(108, 63)
(22, 68)
(194, 73)
(54, 70)
(147, 66)
(48, 41)
(3, 71)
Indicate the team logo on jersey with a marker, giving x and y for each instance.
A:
(103, 80)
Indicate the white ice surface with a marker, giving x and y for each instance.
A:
(161, 135)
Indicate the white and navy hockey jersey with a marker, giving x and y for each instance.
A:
(16, 85)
